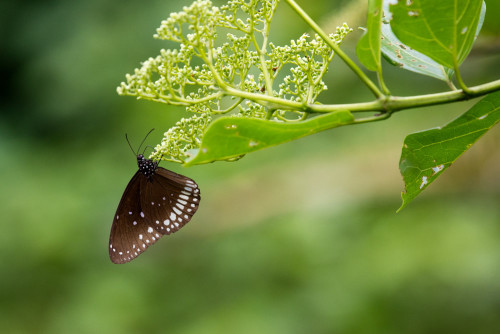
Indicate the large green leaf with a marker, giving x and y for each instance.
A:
(368, 48)
(231, 137)
(444, 30)
(425, 155)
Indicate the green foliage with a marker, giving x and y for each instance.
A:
(247, 93)
(243, 136)
(238, 75)
(442, 30)
(428, 153)
(368, 47)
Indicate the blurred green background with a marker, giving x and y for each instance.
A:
(300, 238)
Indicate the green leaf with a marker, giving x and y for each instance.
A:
(425, 155)
(405, 57)
(230, 137)
(368, 48)
(443, 30)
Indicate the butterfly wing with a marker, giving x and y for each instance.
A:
(169, 200)
(131, 233)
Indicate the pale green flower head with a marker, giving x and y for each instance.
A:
(225, 64)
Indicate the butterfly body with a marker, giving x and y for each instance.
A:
(156, 202)
(146, 167)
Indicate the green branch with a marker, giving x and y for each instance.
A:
(397, 103)
(234, 76)
(391, 104)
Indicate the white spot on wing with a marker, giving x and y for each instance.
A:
(166, 222)
(180, 206)
(142, 214)
(177, 211)
(150, 229)
(140, 236)
(172, 216)
(134, 223)
(183, 197)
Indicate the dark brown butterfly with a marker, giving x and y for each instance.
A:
(156, 202)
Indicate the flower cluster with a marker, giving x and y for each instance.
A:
(233, 77)
(180, 139)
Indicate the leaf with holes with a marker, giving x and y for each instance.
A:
(443, 30)
(368, 48)
(425, 155)
(231, 137)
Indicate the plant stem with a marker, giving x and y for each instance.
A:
(382, 83)
(370, 84)
(389, 105)
(396, 103)
(375, 118)
(460, 82)
(261, 50)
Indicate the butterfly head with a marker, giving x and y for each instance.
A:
(146, 166)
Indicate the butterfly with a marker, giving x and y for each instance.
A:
(156, 202)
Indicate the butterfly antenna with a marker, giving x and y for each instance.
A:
(142, 142)
(128, 141)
